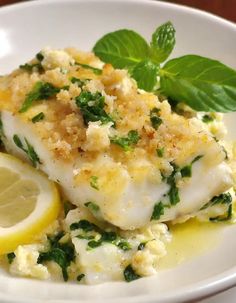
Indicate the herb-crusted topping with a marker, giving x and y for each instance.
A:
(28, 149)
(127, 142)
(130, 275)
(92, 107)
(38, 117)
(78, 81)
(158, 211)
(40, 91)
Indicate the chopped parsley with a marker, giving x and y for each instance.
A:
(224, 199)
(61, 253)
(174, 191)
(156, 121)
(130, 275)
(92, 107)
(92, 206)
(142, 245)
(186, 171)
(10, 257)
(78, 81)
(160, 152)
(207, 118)
(94, 182)
(158, 211)
(127, 142)
(40, 91)
(38, 117)
(96, 71)
(29, 67)
(105, 236)
(67, 207)
(28, 149)
(39, 56)
(80, 277)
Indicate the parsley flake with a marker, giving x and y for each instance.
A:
(158, 211)
(38, 117)
(130, 275)
(94, 182)
(154, 118)
(127, 142)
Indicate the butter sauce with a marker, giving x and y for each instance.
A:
(190, 239)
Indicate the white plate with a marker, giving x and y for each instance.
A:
(24, 30)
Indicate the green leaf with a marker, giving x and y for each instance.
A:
(38, 117)
(127, 142)
(203, 84)
(92, 107)
(94, 182)
(40, 91)
(92, 206)
(10, 257)
(130, 275)
(154, 118)
(123, 48)
(96, 71)
(163, 42)
(145, 73)
(84, 225)
(158, 211)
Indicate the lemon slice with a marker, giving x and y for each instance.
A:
(29, 202)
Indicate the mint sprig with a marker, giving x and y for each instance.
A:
(202, 83)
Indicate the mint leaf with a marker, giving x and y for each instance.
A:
(203, 84)
(145, 73)
(163, 42)
(123, 48)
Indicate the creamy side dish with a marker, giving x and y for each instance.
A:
(126, 163)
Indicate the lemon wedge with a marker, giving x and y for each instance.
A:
(29, 203)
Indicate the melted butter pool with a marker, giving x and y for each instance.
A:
(190, 239)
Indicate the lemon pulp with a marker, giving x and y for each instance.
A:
(29, 203)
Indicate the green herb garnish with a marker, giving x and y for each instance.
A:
(80, 277)
(160, 152)
(10, 257)
(174, 191)
(39, 56)
(142, 245)
(128, 142)
(158, 211)
(78, 81)
(28, 149)
(67, 207)
(94, 182)
(38, 117)
(202, 83)
(155, 119)
(92, 107)
(29, 67)
(92, 206)
(40, 91)
(124, 245)
(96, 71)
(130, 275)
(84, 225)
(186, 171)
(207, 119)
(62, 254)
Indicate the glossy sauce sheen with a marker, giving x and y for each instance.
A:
(190, 239)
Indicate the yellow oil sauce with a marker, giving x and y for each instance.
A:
(190, 239)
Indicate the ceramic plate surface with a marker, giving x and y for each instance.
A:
(28, 27)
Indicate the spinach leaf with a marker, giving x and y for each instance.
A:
(158, 211)
(123, 48)
(130, 275)
(40, 116)
(145, 73)
(92, 107)
(163, 42)
(202, 83)
(29, 150)
(126, 142)
(40, 91)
